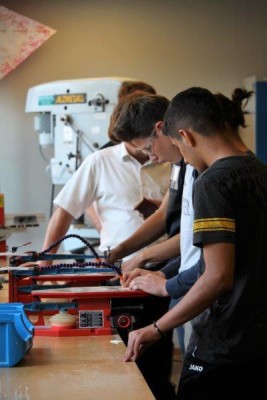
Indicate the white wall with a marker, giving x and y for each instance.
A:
(171, 44)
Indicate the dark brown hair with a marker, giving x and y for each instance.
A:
(135, 116)
(129, 87)
(233, 109)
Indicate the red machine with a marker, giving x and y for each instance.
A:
(92, 307)
(72, 299)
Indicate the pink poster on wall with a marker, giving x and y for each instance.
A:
(19, 38)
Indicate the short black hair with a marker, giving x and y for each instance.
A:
(195, 108)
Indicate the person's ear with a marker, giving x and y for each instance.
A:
(187, 137)
(158, 126)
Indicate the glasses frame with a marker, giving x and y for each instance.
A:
(149, 146)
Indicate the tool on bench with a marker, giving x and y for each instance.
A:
(76, 289)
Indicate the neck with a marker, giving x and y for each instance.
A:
(238, 141)
(220, 147)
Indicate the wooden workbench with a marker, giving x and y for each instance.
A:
(73, 368)
(70, 368)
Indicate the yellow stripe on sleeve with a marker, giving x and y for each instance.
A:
(214, 224)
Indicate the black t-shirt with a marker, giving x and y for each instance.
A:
(230, 203)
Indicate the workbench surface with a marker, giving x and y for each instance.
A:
(73, 368)
(82, 368)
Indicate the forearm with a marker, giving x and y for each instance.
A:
(216, 280)
(197, 299)
(179, 285)
(57, 227)
(165, 250)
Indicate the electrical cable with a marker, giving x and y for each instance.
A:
(35, 256)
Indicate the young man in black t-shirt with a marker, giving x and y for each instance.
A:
(227, 356)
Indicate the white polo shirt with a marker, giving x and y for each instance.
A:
(114, 182)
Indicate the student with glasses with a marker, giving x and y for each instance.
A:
(137, 120)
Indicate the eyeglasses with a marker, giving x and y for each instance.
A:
(148, 147)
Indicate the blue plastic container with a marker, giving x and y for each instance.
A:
(16, 334)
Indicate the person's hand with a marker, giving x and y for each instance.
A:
(133, 263)
(114, 255)
(129, 276)
(138, 341)
(150, 283)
